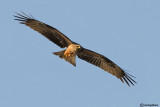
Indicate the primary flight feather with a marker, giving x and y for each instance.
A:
(74, 49)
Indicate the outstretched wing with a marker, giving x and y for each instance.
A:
(49, 32)
(106, 64)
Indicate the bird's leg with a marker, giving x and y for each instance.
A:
(69, 54)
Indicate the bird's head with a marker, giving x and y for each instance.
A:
(78, 47)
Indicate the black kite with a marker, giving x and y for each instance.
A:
(74, 49)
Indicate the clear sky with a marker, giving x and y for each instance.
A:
(125, 31)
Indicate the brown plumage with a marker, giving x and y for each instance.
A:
(74, 49)
(49, 32)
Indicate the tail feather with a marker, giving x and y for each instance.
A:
(60, 54)
(70, 59)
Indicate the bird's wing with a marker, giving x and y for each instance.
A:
(106, 64)
(49, 32)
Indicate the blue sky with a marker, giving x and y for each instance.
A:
(125, 31)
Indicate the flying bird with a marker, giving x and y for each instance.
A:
(74, 49)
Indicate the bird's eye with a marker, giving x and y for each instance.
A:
(78, 46)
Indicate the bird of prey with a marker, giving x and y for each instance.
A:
(74, 49)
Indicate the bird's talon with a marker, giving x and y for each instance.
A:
(67, 54)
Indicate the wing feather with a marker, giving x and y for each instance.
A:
(106, 64)
(49, 32)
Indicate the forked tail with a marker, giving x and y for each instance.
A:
(70, 59)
